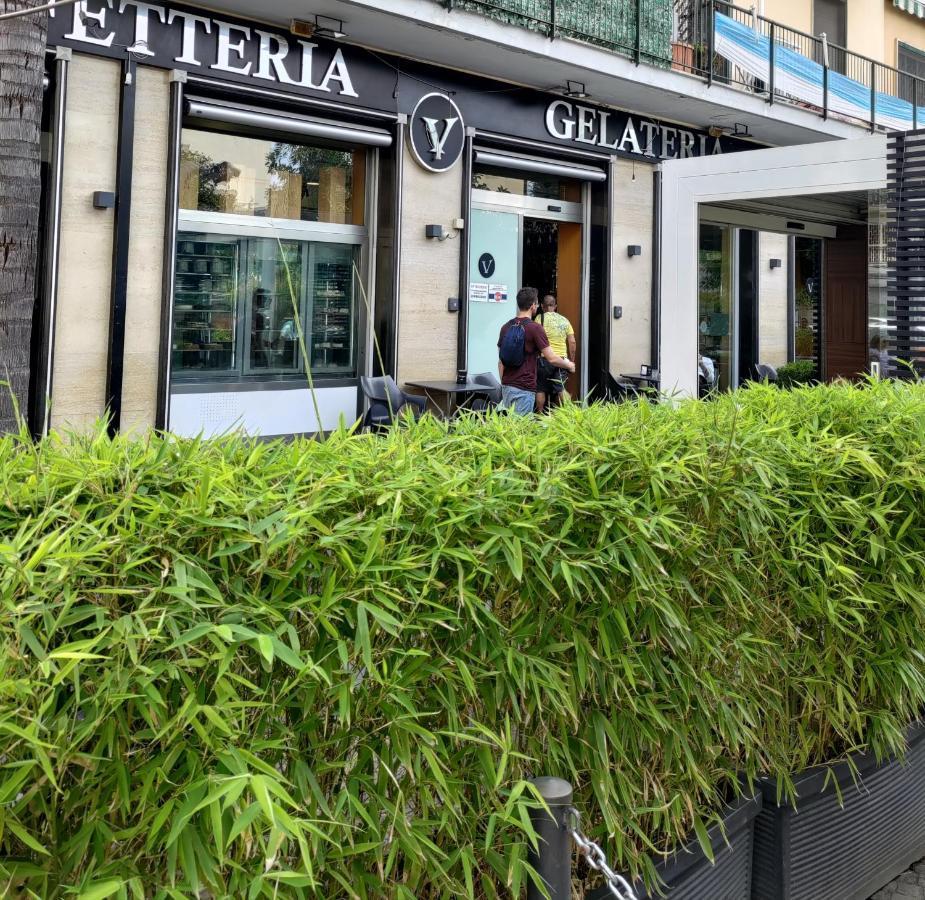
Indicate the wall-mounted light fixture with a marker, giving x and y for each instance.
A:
(776, 263)
(576, 90)
(435, 232)
(633, 250)
(322, 26)
(104, 200)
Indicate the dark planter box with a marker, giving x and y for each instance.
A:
(826, 851)
(689, 874)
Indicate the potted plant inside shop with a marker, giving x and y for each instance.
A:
(855, 826)
(793, 374)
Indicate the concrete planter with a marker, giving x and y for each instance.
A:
(824, 850)
(689, 874)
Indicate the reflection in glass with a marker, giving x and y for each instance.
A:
(333, 308)
(248, 176)
(715, 308)
(526, 184)
(273, 336)
(239, 301)
(807, 299)
(205, 303)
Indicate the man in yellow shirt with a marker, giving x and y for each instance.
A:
(550, 382)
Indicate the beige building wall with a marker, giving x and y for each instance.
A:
(901, 26)
(772, 299)
(429, 274)
(146, 250)
(793, 13)
(865, 28)
(631, 278)
(82, 318)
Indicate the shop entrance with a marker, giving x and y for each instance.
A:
(525, 231)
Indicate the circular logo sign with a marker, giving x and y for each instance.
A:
(486, 265)
(438, 133)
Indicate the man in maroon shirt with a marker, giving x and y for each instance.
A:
(518, 385)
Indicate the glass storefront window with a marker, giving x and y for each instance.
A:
(508, 181)
(807, 299)
(715, 307)
(272, 307)
(206, 295)
(248, 176)
(239, 302)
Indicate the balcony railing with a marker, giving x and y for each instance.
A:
(723, 43)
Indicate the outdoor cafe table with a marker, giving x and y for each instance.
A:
(453, 394)
(646, 382)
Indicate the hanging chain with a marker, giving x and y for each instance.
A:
(616, 883)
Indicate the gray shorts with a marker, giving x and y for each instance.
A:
(517, 399)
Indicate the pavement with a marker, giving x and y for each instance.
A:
(909, 886)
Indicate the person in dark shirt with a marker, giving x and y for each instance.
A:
(518, 385)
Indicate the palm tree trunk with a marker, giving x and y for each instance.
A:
(22, 52)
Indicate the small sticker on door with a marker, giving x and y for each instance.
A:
(478, 292)
(497, 293)
(486, 265)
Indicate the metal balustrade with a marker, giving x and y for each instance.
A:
(781, 65)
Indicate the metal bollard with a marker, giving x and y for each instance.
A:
(553, 862)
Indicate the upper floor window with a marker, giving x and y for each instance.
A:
(831, 18)
(911, 61)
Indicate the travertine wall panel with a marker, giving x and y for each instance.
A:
(146, 250)
(772, 299)
(631, 336)
(429, 274)
(82, 319)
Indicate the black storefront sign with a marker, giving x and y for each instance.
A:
(437, 132)
(231, 49)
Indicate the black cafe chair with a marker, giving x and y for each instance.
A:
(488, 400)
(618, 391)
(386, 401)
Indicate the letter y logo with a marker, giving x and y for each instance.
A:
(438, 141)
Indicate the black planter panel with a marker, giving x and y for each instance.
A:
(689, 875)
(826, 851)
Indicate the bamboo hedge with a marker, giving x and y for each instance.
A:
(324, 669)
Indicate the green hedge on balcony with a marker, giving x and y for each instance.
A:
(323, 669)
(610, 23)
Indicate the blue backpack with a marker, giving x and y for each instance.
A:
(513, 345)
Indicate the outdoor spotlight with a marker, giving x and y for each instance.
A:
(775, 263)
(322, 26)
(715, 131)
(634, 250)
(576, 90)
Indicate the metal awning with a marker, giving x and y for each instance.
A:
(914, 7)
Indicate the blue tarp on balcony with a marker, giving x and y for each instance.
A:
(802, 79)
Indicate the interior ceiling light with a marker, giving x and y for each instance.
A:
(321, 26)
(576, 90)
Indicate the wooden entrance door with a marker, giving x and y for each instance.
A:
(845, 351)
(568, 285)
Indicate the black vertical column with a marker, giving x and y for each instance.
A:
(120, 246)
(172, 198)
(462, 332)
(748, 303)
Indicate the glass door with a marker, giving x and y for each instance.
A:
(494, 279)
(715, 308)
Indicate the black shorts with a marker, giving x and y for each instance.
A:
(549, 378)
